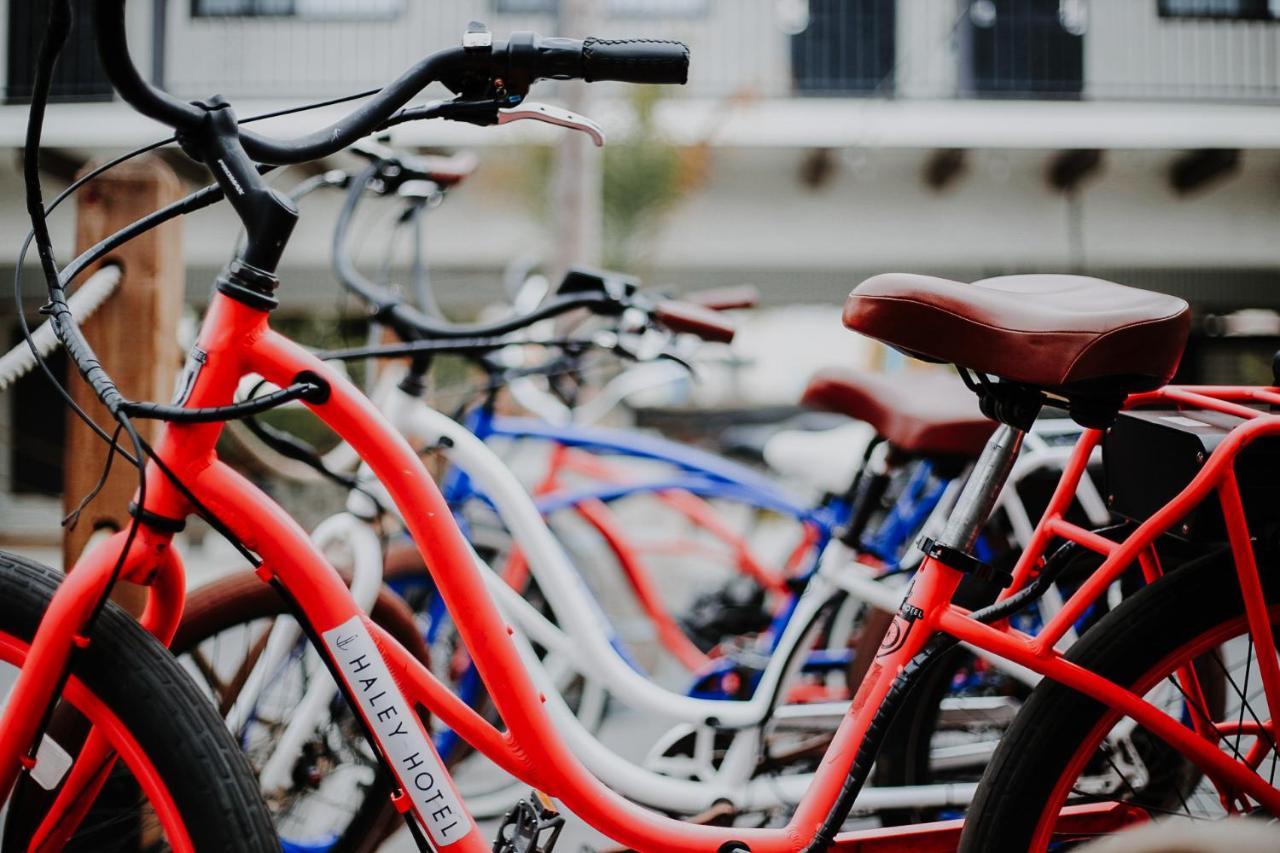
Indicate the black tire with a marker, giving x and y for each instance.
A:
(140, 682)
(1054, 724)
(905, 758)
(241, 599)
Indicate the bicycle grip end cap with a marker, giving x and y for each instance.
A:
(635, 61)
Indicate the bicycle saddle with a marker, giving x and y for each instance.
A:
(925, 414)
(1069, 335)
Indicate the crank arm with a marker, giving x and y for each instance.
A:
(533, 111)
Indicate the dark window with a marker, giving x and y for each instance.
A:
(1236, 10)
(39, 430)
(1027, 48)
(847, 47)
(78, 75)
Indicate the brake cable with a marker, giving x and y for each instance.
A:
(62, 321)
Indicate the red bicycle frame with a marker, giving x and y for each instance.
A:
(236, 340)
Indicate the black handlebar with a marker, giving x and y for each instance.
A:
(601, 293)
(411, 324)
(510, 66)
(396, 167)
(113, 49)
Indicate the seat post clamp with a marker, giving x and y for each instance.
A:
(954, 558)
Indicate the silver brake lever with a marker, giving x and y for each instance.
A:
(553, 115)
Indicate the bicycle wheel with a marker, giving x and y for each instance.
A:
(1066, 749)
(180, 782)
(954, 718)
(337, 797)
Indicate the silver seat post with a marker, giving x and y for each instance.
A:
(983, 487)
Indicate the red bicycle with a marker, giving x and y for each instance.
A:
(1100, 350)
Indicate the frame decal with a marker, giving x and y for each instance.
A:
(398, 730)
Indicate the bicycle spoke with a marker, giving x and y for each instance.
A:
(1086, 797)
(1244, 701)
(1197, 709)
(1244, 694)
(208, 672)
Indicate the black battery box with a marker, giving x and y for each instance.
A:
(1150, 455)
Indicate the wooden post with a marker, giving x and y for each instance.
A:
(134, 334)
(578, 173)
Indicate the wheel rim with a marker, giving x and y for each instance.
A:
(1205, 647)
(13, 652)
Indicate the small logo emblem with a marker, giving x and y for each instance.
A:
(899, 628)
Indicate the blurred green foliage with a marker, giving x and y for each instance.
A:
(644, 177)
(642, 181)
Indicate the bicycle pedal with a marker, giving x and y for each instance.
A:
(532, 826)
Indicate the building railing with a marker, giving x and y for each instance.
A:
(932, 49)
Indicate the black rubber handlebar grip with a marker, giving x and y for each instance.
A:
(635, 61)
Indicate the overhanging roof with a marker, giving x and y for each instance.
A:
(782, 123)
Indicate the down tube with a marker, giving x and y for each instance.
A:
(484, 631)
(343, 632)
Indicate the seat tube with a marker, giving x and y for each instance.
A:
(911, 628)
(982, 488)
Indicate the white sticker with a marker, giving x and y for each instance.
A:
(399, 732)
(52, 763)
